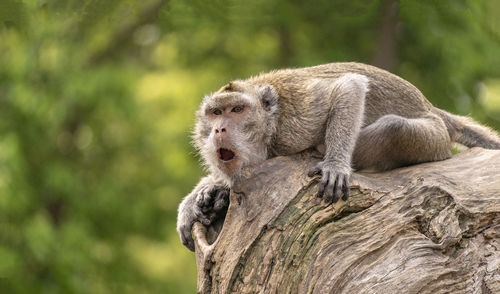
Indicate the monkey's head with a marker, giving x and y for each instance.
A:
(235, 126)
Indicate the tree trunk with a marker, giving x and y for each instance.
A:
(428, 228)
(386, 50)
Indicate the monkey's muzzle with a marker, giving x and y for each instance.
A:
(225, 154)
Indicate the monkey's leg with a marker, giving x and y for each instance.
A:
(342, 128)
(394, 141)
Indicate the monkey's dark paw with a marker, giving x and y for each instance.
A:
(211, 203)
(334, 181)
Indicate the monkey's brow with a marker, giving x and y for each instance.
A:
(218, 101)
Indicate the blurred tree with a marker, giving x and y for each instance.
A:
(97, 102)
(81, 176)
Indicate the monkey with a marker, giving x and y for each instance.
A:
(358, 116)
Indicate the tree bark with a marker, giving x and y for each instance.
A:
(428, 228)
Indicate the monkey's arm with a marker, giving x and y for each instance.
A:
(208, 200)
(342, 128)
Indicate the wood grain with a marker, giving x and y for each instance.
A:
(428, 228)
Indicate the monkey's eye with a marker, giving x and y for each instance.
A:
(217, 111)
(237, 109)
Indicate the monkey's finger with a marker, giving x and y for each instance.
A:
(213, 192)
(206, 209)
(208, 197)
(221, 201)
(202, 218)
(222, 194)
(187, 239)
(316, 170)
(322, 184)
(203, 197)
(338, 188)
(330, 188)
(212, 216)
(220, 205)
(205, 221)
(346, 189)
(199, 199)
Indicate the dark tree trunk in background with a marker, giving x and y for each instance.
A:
(428, 228)
(385, 55)
(285, 46)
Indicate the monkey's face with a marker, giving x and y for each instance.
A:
(234, 129)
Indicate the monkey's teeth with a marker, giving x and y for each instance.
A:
(225, 154)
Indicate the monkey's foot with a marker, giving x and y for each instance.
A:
(212, 202)
(334, 181)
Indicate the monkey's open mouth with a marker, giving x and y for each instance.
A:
(225, 154)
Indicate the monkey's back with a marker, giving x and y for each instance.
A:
(388, 94)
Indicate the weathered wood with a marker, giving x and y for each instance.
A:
(429, 228)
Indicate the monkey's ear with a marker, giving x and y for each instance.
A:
(269, 98)
(227, 88)
(234, 86)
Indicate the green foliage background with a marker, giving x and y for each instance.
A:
(97, 102)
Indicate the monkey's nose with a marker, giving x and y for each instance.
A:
(222, 130)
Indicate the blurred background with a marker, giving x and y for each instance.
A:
(96, 109)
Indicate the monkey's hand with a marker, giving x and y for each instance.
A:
(334, 181)
(204, 205)
(212, 202)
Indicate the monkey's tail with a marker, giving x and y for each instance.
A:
(468, 132)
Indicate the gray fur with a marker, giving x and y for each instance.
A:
(359, 115)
